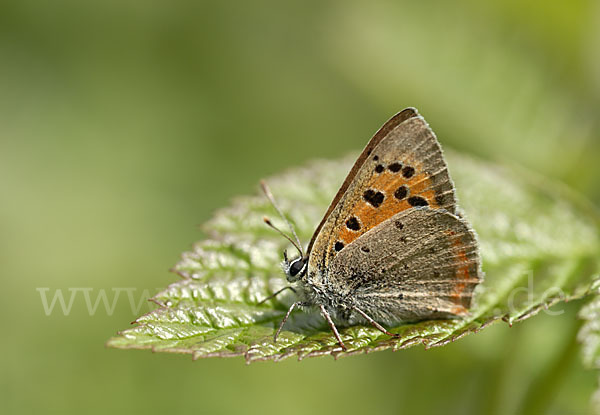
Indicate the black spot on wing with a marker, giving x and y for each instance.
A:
(417, 201)
(379, 168)
(408, 172)
(401, 192)
(353, 224)
(395, 167)
(373, 197)
(338, 246)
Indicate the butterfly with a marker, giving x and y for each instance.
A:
(392, 246)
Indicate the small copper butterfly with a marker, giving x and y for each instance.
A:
(392, 246)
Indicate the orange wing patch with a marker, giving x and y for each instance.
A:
(390, 190)
(464, 278)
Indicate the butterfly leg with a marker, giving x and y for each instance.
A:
(327, 317)
(374, 323)
(296, 304)
(276, 293)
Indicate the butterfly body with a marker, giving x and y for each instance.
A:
(391, 247)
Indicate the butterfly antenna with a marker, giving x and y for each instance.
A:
(297, 244)
(268, 222)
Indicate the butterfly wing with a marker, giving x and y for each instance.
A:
(422, 263)
(401, 167)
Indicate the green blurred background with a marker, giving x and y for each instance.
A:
(124, 124)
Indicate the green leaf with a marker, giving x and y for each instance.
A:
(539, 245)
(589, 334)
(589, 337)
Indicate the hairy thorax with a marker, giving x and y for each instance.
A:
(314, 290)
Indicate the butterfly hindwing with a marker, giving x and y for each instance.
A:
(404, 169)
(421, 263)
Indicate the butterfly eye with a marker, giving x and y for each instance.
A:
(296, 267)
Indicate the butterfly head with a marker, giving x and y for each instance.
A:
(294, 269)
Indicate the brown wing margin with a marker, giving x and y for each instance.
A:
(392, 123)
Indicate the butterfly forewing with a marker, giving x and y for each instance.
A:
(404, 169)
